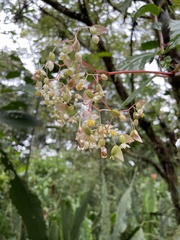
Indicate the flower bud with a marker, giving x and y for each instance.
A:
(89, 93)
(135, 115)
(70, 110)
(101, 142)
(39, 84)
(98, 88)
(65, 96)
(50, 65)
(123, 118)
(104, 152)
(78, 56)
(132, 134)
(114, 150)
(87, 130)
(37, 75)
(104, 77)
(115, 113)
(93, 30)
(138, 105)
(136, 122)
(51, 56)
(46, 80)
(122, 138)
(100, 129)
(95, 39)
(71, 83)
(92, 139)
(140, 111)
(64, 49)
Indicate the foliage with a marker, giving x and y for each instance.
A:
(48, 189)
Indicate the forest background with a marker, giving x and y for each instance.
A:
(49, 189)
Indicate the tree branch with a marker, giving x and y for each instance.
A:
(66, 11)
(148, 161)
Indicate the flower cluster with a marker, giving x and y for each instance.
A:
(74, 91)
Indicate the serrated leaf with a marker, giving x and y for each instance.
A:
(26, 202)
(137, 61)
(122, 217)
(13, 74)
(148, 8)
(28, 88)
(149, 45)
(174, 27)
(135, 93)
(79, 215)
(175, 35)
(17, 119)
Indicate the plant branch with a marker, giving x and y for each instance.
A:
(128, 71)
(148, 161)
(66, 11)
(159, 32)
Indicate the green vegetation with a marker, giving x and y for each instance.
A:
(51, 189)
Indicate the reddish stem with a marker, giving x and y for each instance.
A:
(102, 100)
(127, 71)
(135, 71)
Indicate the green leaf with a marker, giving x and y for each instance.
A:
(175, 35)
(79, 215)
(150, 198)
(26, 202)
(105, 214)
(174, 27)
(28, 88)
(104, 54)
(125, 5)
(18, 105)
(66, 216)
(135, 93)
(17, 119)
(157, 26)
(176, 235)
(150, 8)
(53, 231)
(137, 61)
(28, 79)
(149, 45)
(122, 217)
(15, 58)
(13, 74)
(139, 235)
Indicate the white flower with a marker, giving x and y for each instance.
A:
(50, 65)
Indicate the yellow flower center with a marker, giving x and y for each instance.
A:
(113, 133)
(104, 131)
(79, 86)
(91, 123)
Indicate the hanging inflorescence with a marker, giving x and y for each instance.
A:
(74, 99)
